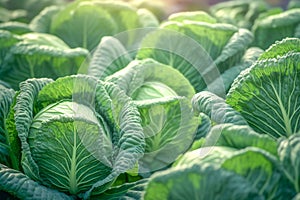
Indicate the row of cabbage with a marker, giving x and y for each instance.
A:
(101, 100)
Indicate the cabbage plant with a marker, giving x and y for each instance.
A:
(250, 167)
(271, 27)
(37, 55)
(166, 44)
(77, 135)
(240, 13)
(213, 47)
(83, 23)
(164, 105)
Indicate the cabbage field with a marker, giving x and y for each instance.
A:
(112, 99)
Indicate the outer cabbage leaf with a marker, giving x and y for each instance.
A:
(94, 125)
(199, 16)
(169, 128)
(128, 191)
(74, 25)
(280, 48)
(42, 22)
(275, 27)
(212, 37)
(21, 186)
(109, 57)
(199, 182)
(239, 137)
(267, 95)
(250, 56)
(6, 152)
(214, 155)
(18, 28)
(234, 50)
(216, 108)
(204, 126)
(7, 40)
(68, 158)
(147, 18)
(224, 43)
(13, 128)
(262, 171)
(148, 79)
(240, 13)
(40, 55)
(289, 155)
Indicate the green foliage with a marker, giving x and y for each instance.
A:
(37, 55)
(275, 27)
(215, 47)
(240, 13)
(267, 95)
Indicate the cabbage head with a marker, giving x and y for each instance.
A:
(77, 134)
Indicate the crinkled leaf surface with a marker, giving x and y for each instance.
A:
(109, 57)
(250, 56)
(21, 186)
(280, 48)
(289, 155)
(6, 100)
(240, 13)
(267, 95)
(216, 108)
(234, 50)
